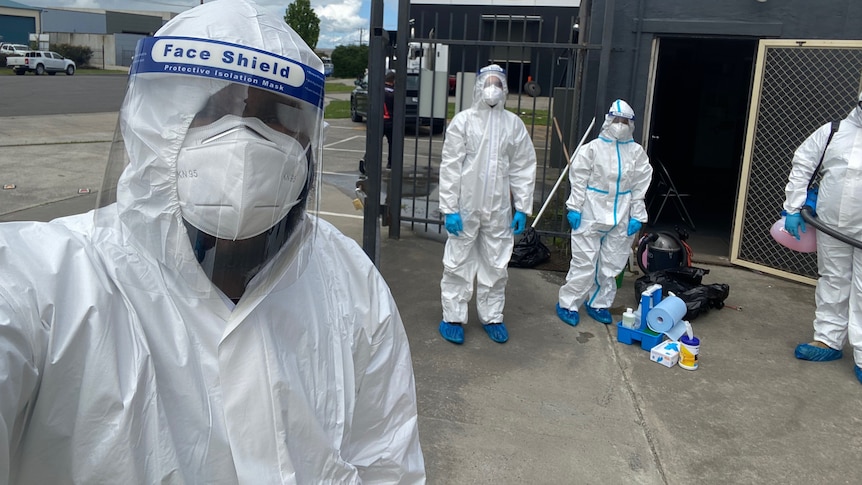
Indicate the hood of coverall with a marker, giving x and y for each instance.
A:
(487, 76)
(618, 109)
(221, 53)
(855, 115)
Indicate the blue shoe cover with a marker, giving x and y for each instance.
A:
(816, 354)
(601, 315)
(452, 332)
(569, 316)
(859, 373)
(497, 332)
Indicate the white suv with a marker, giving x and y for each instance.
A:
(13, 48)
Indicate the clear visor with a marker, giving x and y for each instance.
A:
(487, 79)
(215, 175)
(283, 114)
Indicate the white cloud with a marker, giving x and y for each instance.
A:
(342, 22)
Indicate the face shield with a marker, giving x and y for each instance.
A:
(215, 157)
(619, 122)
(491, 88)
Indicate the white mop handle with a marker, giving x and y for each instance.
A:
(564, 172)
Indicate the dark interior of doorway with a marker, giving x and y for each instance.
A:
(697, 131)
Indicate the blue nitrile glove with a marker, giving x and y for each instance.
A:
(519, 222)
(811, 199)
(574, 218)
(454, 224)
(793, 223)
(634, 226)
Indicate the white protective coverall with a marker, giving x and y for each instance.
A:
(609, 179)
(838, 296)
(120, 362)
(488, 158)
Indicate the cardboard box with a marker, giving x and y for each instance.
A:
(665, 353)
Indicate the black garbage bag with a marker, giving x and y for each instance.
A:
(687, 284)
(529, 252)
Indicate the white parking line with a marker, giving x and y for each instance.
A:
(342, 141)
(335, 214)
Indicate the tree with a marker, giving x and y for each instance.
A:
(301, 17)
(349, 60)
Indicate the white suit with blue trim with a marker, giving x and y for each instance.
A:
(609, 179)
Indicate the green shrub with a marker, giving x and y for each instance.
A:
(80, 54)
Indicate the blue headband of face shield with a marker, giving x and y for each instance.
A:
(620, 114)
(229, 62)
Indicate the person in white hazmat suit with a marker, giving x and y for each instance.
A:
(609, 179)
(203, 327)
(838, 296)
(488, 165)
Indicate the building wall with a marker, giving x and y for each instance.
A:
(632, 38)
(56, 20)
(132, 23)
(466, 25)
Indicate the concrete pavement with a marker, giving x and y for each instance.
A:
(556, 404)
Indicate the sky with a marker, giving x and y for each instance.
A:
(342, 22)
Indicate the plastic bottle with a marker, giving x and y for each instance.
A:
(637, 316)
(629, 318)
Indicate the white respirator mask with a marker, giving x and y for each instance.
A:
(620, 131)
(492, 95)
(237, 177)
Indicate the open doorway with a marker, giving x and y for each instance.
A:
(697, 131)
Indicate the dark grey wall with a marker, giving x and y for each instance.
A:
(129, 23)
(75, 22)
(464, 23)
(635, 23)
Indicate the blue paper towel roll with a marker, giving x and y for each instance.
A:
(667, 317)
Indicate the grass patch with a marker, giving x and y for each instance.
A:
(528, 116)
(337, 109)
(336, 87)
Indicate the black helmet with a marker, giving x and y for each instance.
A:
(663, 250)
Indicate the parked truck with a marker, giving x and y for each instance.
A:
(41, 62)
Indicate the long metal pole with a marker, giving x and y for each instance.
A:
(399, 117)
(373, 133)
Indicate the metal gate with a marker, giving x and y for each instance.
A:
(799, 85)
(543, 60)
